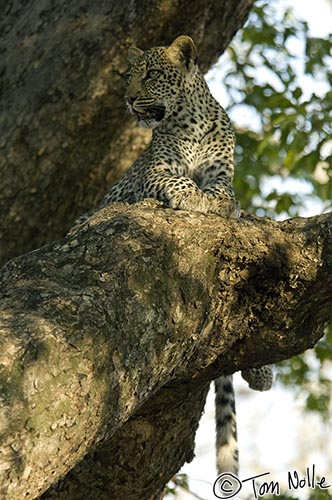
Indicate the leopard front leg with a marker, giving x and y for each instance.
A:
(181, 191)
(217, 186)
(222, 201)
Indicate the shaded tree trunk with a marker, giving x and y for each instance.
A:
(64, 136)
(111, 336)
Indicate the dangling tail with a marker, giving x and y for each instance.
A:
(226, 434)
(260, 379)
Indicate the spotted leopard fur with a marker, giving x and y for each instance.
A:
(189, 165)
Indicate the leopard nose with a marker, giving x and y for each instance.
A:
(130, 100)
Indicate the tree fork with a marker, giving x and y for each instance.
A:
(110, 337)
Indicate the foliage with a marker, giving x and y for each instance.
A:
(281, 78)
(308, 376)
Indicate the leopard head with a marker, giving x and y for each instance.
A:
(157, 78)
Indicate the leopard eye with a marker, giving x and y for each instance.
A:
(128, 78)
(152, 73)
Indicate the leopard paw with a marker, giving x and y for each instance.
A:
(259, 379)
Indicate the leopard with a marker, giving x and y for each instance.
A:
(189, 165)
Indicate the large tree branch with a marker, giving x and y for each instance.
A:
(64, 133)
(114, 332)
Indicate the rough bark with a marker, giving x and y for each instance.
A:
(111, 336)
(64, 134)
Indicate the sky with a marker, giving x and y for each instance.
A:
(274, 434)
(318, 14)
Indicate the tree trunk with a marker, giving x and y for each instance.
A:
(64, 134)
(111, 336)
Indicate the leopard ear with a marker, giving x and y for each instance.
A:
(133, 54)
(183, 52)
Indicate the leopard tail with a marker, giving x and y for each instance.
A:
(226, 433)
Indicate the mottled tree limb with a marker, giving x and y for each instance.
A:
(111, 336)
